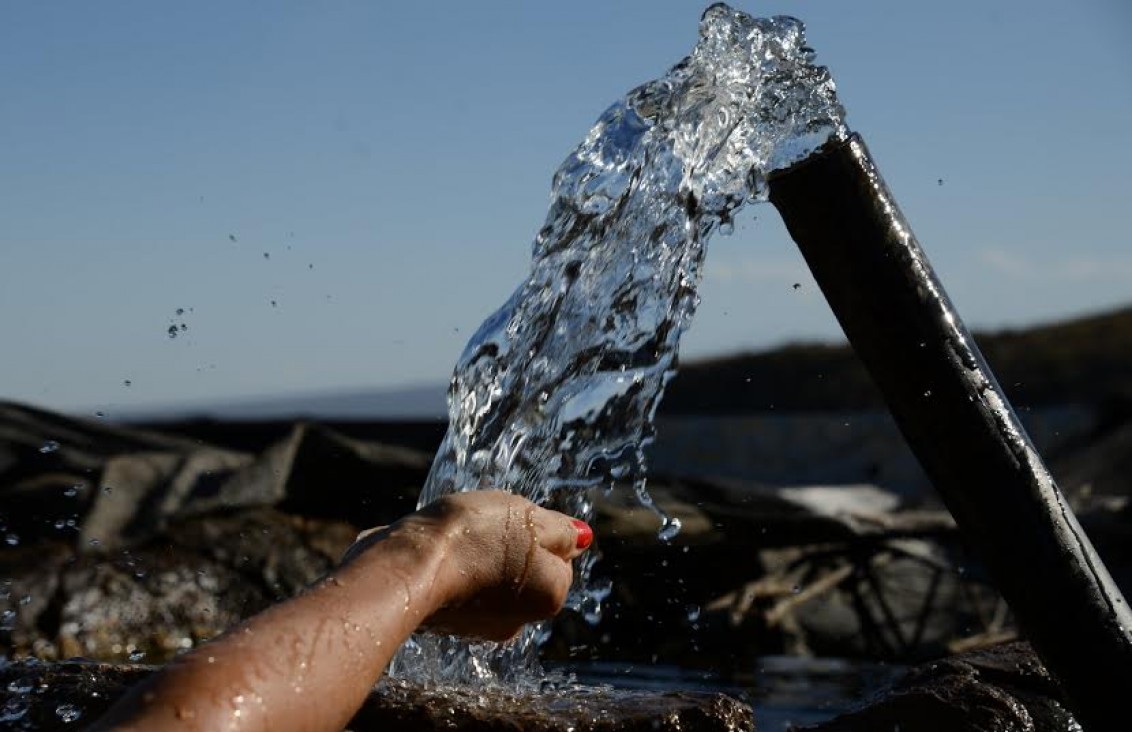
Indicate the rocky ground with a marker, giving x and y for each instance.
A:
(129, 546)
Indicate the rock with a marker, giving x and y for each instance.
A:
(121, 543)
(59, 696)
(118, 488)
(999, 689)
(1100, 469)
(841, 571)
(160, 598)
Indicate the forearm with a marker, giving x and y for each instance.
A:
(306, 664)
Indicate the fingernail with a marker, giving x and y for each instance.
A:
(585, 534)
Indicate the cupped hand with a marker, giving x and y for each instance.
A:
(505, 561)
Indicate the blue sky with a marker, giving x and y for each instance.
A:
(383, 167)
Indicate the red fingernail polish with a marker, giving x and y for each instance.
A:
(585, 534)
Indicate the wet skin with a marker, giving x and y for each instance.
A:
(479, 564)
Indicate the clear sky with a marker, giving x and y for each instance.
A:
(337, 193)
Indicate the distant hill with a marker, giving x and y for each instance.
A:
(411, 403)
(1083, 360)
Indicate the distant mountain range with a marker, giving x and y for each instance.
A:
(1082, 360)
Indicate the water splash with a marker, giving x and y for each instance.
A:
(555, 393)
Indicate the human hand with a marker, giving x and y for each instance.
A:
(505, 562)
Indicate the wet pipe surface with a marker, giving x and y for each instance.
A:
(901, 324)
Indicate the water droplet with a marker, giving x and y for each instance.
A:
(48, 447)
(136, 656)
(107, 489)
(669, 529)
(797, 285)
(127, 383)
(180, 311)
(68, 713)
(100, 414)
(693, 613)
(21, 685)
(12, 539)
(15, 709)
(267, 255)
(231, 237)
(796, 589)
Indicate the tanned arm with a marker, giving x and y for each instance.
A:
(480, 564)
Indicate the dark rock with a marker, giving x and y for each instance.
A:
(757, 570)
(60, 696)
(999, 689)
(1100, 469)
(158, 599)
(119, 488)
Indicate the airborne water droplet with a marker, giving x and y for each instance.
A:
(48, 447)
(68, 713)
(14, 709)
(669, 529)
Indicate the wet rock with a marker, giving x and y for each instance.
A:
(120, 488)
(122, 543)
(158, 599)
(32, 693)
(1000, 689)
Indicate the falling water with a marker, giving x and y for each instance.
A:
(555, 393)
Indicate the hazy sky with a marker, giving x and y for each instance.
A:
(337, 193)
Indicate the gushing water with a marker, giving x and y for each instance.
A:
(555, 393)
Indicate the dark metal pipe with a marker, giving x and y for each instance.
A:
(958, 423)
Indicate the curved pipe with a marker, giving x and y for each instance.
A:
(959, 424)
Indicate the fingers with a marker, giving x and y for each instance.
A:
(561, 535)
(499, 614)
(547, 586)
